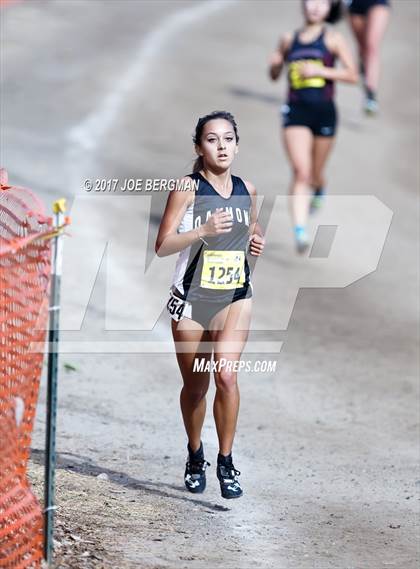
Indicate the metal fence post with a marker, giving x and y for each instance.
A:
(53, 338)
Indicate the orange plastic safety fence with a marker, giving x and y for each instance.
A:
(24, 288)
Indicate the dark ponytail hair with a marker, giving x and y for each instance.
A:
(336, 12)
(198, 164)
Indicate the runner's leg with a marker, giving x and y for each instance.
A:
(298, 141)
(229, 330)
(321, 150)
(358, 25)
(196, 384)
(376, 24)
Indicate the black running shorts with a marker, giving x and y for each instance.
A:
(362, 7)
(320, 118)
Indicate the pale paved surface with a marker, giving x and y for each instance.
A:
(326, 445)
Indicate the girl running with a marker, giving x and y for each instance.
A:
(309, 117)
(369, 20)
(213, 225)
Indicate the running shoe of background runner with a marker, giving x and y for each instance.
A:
(317, 200)
(371, 106)
(302, 241)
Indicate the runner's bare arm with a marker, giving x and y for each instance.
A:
(257, 239)
(278, 56)
(168, 241)
(338, 46)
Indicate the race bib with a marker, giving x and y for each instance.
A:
(177, 307)
(223, 269)
(298, 82)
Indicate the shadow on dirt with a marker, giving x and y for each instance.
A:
(85, 466)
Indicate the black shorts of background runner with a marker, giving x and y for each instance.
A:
(320, 118)
(362, 7)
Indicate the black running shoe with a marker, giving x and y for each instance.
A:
(229, 484)
(195, 472)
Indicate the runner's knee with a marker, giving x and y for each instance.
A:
(302, 174)
(194, 394)
(226, 380)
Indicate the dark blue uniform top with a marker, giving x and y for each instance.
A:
(314, 89)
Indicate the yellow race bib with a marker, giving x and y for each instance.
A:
(298, 82)
(223, 269)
